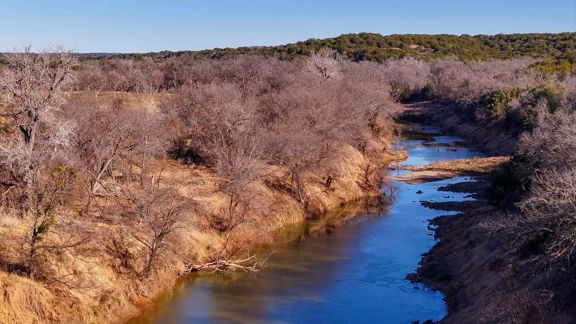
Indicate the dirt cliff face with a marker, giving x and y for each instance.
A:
(484, 279)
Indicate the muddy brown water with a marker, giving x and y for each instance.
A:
(351, 273)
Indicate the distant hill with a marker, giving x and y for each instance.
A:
(376, 47)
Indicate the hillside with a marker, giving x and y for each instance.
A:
(376, 47)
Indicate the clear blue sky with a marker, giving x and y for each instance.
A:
(153, 25)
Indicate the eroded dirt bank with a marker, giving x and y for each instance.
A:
(485, 277)
(467, 264)
(484, 280)
(110, 292)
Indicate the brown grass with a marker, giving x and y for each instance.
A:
(451, 168)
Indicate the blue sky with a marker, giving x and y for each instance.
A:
(147, 25)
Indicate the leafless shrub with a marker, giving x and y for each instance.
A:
(544, 165)
(160, 216)
(325, 62)
(405, 76)
(551, 208)
(465, 83)
(123, 258)
(552, 145)
(237, 171)
(529, 305)
(49, 233)
(113, 139)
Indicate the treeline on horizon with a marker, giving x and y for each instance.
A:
(558, 50)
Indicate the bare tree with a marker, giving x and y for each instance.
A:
(32, 83)
(223, 126)
(405, 76)
(90, 78)
(160, 216)
(38, 156)
(300, 137)
(49, 201)
(325, 62)
(112, 139)
(546, 162)
(309, 120)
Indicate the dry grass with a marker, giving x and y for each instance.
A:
(451, 168)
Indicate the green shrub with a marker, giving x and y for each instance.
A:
(564, 64)
(529, 118)
(552, 96)
(503, 187)
(497, 102)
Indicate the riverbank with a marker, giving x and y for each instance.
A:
(110, 290)
(467, 263)
(485, 275)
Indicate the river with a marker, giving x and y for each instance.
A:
(353, 273)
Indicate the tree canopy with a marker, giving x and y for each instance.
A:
(376, 47)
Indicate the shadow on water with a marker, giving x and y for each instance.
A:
(348, 266)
